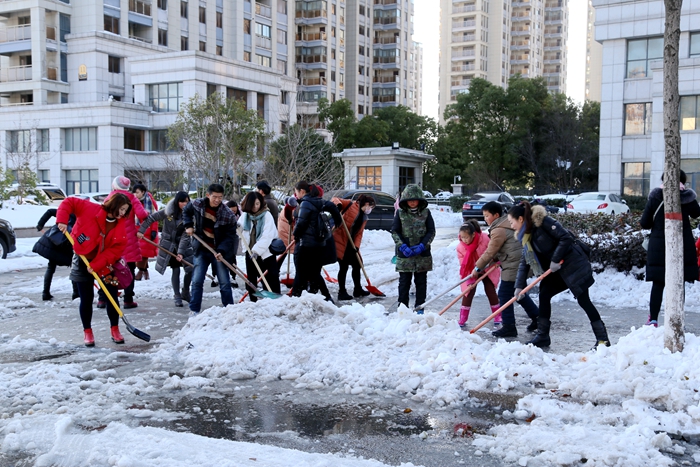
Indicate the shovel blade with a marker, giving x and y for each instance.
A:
(375, 291)
(135, 332)
(267, 294)
(288, 282)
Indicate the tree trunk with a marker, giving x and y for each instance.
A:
(674, 338)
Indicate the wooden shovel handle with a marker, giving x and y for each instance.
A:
(470, 286)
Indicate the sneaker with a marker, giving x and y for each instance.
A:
(360, 293)
(128, 305)
(117, 337)
(88, 338)
(652, 322)
(193, 313)
(101, 304)
(344, 295)
(214, 284)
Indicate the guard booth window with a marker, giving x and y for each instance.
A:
(407, 176)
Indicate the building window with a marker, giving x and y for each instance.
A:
(134, 139)
(640, 52)
(362, 9)
(360, 109)
(638, 119)
(159, 141)
(112, 24)
(163, 37)
(44, 176)
(80, 139)
(281, 36)
(142, 8)
(183, 43)
(282, 6)
(219, 19)
(282, 66)
(42, 140)
(407, 175)
(183, 9)
(165, 97)
(238, 95)
(202, 15)
(114, 64)
(690, 113)
(81, 181)
(219, 50)
(284, 97)
(64, 26)
(64, 67)
(20, 141)
(246, 56)
(162, 4)
(369, 178)
(246, 26)
(202, 46)
(263, 60)
(695, 44)
(635, 178)
(263, 30)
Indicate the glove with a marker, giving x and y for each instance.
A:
(418, 249)
(518, 294)
(406, 250)
(554, 267)
(39, 228)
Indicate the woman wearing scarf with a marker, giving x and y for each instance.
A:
(653, 218)
(545, 244)
(258, 231)
(472, 244)
(147, 250)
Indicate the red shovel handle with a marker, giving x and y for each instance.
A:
(469, 287)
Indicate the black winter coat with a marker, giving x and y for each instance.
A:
(225, 235)
(173, 237)
(306, 224)
(61, 254)
(552, 243)
(656, 254)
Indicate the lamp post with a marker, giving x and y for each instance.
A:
(456, 179)
(457, 189)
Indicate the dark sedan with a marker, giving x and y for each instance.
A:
(472, 208)
(7, 238)
(382, 216)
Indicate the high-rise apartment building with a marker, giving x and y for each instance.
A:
(364, 46)
(495, 40)
(594, 59)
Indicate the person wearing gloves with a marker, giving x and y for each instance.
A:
(100, 235)
(545, 244)
(506, 249)
(173, 241)
(257, 228)
(413, 230)
(57, 249)
(355, 216)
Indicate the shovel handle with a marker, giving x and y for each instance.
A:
(185, 262)
(511, 301)
(357, 252)
(423, 305)
(257, 266)
(236, 271)
(469, 287)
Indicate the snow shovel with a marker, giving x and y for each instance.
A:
(257, 266)
(238, 272)
(288, 281)
(260, 278)
(328, 277)
(471, 286)
(135, 332)
(186, 263)
(370, 288)
(422, 306)
(509, 302)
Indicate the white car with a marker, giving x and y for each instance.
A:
(427, 194)
(443, 195)
(593, 202)
(568, 198)
(95, 197)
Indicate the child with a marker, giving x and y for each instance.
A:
(472, 244)
(413, 230)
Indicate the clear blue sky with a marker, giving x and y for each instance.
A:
(426, 31)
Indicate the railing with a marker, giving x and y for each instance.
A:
(520, 29)
(311, 14)
(384, 99)
(16, 73)
(469, 67)
(50, 33)
(263, 10)
(387, 2)
(52, 73)
(312, 58)
(462, 82)
(263, 42)
(311, 36)
(463, 37)
(464, 54)
(386, 60)
(386, 79)
(464, 9)
(387, 40)
(520, 57)
(16, 33)
(387, 20)
(313, 81)
(520, 43)
(464, 24)
(139, 38)
(521, 15)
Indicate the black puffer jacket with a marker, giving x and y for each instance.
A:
(306, 220)
(61, 254)
(173, 237)
(656, 254)
(224, 229)
(552, 242)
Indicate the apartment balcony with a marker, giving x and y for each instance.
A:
(520, 45)
(15, 39)
(469, 25)
(312, 62)
(553, 17)
(386, 81)
(393, 3)
(519, 3)
(311, 36)
(263, 10)
(388, 40)
(553, 34)
(16, 73)
(463, 9)
(387, 23)
(550, 4)
(460, 83)
(519, 61)
(313, 81)
(519, 17)
(457, 38)
(147, 40)
(462, 54)
(386, 63)
(553, 48)
(311, 17)
(523, 31)
(263, 42)
(463, 67)
(116, 80)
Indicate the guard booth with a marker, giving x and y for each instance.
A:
(388, 169)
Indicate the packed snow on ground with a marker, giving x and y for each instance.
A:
(616, 406)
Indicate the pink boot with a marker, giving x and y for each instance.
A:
(498, 320)
(463, 315)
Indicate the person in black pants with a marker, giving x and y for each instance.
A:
(653, 218)
(309, 248)
(55, 247)
(545, 244)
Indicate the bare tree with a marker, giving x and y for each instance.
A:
(674, 317)
(24, 158)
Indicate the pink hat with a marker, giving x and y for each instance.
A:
(121, 183)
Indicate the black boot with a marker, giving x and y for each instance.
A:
(601, 334)
(46, 294)
(359, 292)
(507, 330)
(343, 295)
(541, 339)
(532, 327)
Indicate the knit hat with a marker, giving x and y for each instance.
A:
(264, 187)
(121, 183)
(291, 201)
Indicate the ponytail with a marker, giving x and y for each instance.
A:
(524, 210)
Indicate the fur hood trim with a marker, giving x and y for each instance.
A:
(687, 195)
(170, 208)
(538, 215)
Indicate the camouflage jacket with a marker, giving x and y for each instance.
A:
(413, 228)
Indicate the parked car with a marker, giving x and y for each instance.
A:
(427, 194)
(472, 209)
(381, 217)
(444, 195)
(546, 203)
(95, 197)
(567, 197)
(53, 193)
(593, 202)
(7, 238)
